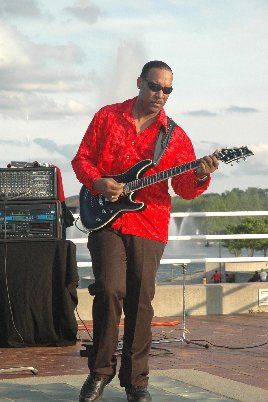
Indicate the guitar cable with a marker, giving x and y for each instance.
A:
(81, 230)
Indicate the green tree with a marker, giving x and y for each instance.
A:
(248, 226)
(234, 246)
(251, 199)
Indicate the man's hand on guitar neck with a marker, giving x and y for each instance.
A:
(208, 164)
(108, 187)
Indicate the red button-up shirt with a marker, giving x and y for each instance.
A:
(111, 145)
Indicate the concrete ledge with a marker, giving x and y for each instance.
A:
(224, 298)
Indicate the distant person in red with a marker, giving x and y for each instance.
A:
(216, 277)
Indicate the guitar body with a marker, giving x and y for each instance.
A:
(96, 211)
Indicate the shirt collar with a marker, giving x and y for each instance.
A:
(127, 106)
(162, 119)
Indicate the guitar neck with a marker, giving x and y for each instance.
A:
(157, 177)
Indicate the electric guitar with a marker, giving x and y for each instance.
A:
(96, 211)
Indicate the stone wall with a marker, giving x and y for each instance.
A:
(223, 298)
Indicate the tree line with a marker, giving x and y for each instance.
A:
(252, 199)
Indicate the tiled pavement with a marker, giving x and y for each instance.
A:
(162, 389)
(237, 371)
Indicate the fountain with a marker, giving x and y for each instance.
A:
(180, 227)
(179, 249)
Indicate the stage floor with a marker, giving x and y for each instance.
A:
(178, 371)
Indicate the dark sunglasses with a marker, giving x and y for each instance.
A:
(156, 87)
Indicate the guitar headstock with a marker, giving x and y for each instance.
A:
(229, 155)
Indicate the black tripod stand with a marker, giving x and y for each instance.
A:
(183, 338)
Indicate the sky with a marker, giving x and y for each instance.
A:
(60, 61)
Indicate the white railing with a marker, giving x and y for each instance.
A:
(167, 261)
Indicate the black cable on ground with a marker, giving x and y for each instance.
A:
(163, 351)
(228, 347)
(189, 341)
(90, 337)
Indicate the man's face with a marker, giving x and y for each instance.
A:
(154, 101)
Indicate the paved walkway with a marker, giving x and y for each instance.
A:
(162, 389)
(234, 367)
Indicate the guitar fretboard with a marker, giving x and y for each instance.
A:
(225, 155)
(164, 175)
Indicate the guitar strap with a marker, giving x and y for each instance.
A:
(163, 140)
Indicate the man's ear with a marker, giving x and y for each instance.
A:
(139, 83)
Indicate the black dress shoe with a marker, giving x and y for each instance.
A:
(93, 387)
(138, 394)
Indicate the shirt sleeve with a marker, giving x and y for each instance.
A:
(187, 185)
(85, 161)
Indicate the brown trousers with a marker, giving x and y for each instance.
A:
(124, 267)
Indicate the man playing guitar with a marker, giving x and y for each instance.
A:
(126, 252)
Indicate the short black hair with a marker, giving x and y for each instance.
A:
(153, 64)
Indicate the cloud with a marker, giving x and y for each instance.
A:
(85, 11)
(121, 82)
(239, 109)
(204, 148)
(27, 150)
(38, 149)
(209, 145)
(25, 65)
(13, 143)
(21, 8)
(39, 107)
(230, 109)
(256, 165)
(201, 113)
(65, 54)
(68, 151)
(29, 71)
(33, 77)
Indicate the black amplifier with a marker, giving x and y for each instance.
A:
(30, 220)
(28, 183)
